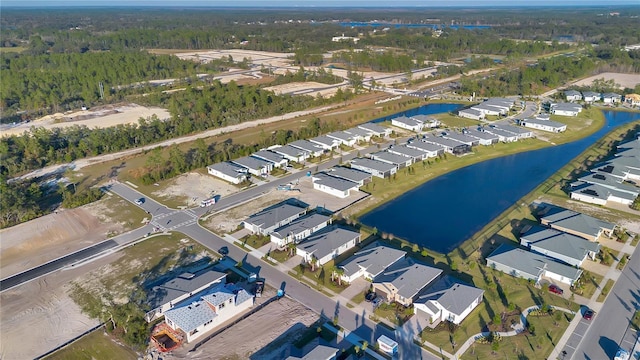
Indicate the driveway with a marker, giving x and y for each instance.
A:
(358, 286)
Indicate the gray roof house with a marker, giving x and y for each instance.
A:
(318, 352)
(308, 146)
(357, 176)
(569, 249)
(325, 142)
(489, 109)
(403, 280)
(407, 123)
(165, 296)
(432, 150)
(335, 186)
(448, 300)
(622, 167)
(359, 134)
(531, 266)
(471, 114)
(566, 109)
(370, 262)
(375, 130)
(291, 153)
(409, 152)
(255, 166)
(299, 229)
(449, 145)
(520, 132)
(327, 244)
(611, 98)
(391, 158)
(426, 120)
(461, 138)
(484, 138)
(228, 171)
(544, 125)
(271, 218)
(599, 195)
(374, 167)
(590, 96)
(576, 223)
(277, 159)
(344, 137)
(573, 95)
(504, 136)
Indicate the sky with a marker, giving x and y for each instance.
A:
(314, 3)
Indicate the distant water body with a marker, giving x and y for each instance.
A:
(444, 212)
(398, 26)
(422, 110)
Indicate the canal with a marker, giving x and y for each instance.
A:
(444, 212)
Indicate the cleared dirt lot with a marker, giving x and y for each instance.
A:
(624, 80)
(256, 334)
(106, 116)
(257, 57)
(306, 88)
(193, 187)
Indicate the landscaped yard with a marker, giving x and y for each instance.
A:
(255, 241)
(605, 290)
(320, 278)
(587, 284)
(96, 346)
(452, 121)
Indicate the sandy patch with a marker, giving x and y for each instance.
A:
(306, 88)
(624, 80)
(264, 58)
(46, 238)
(229, 220)
(257, 334)
(195, 187)
(102, 117)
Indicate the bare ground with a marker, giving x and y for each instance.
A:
(195, 187)
(230, 219)
(262, 333)
(624, 80)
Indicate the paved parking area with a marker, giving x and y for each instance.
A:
(576, 336)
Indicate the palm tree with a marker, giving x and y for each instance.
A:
(339, 272)
(292, 248)
(313, 263)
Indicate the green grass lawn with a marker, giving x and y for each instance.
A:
(280, 256)
(453, 121)
(605, 290)
(623, 261)
(94, 346)
(587, 284)
(635, 321)
(255, 241)
(358, 298)
(320, 278)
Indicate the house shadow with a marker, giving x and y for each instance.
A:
(493, 243)
(281, 347)
(521, 226)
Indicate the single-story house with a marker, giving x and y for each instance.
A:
(503, 136)
(228, 172)
(487, 109)
(610, 182)
(448, 300)
(306, 145)
(271, 218)
(359, 134)
(432, 150)
(461, 138)
(621, 167)
(407, 123)
(412, 153)
(590, 96)
(577, 223)
(299, 229)
(484, 138)
(167, 295)
(520, 132)
(570, 249)
(573, 95)
(600, 195)
(403, 280)
(471, 114)
(374, 167)
(544, 125)
(325, 142)
(255, 166)
(291, 153)
(449, 145)
(327, 244)
(318, 352)
(370, 262)
(357, 176)
(390, 158)
(531, 266)
(201, 314)
(566, 109)
(375, 130)
(278, 160)
(334, 185)
(632, 99)
(427, 121)
(611, 98)
(344, 137)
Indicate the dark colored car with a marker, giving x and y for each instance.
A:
(555, 289)
(139, 201)
(588, 315)
(224, 251)
(370, 296)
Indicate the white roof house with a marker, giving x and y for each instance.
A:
(409, 152)
(590, 96)
(374, 167)
(325, 142)
(327, 244)
(359, 134)
(427, 121)
(397, 160)
(564, 247)
(544, 125)
(471, 114)
(487, 109)
(531, 266)
(573, 95)
(344, 137)
(228, 172)
(167, 295)
(484, 138)
(520, 132)
(375, 130)
(566, 109)
(277, 159)
(299, 229)
(308, 146)
(370, 262)
(432, 150)
(255, 166)
(448, 300)
(403, 280)
(357, 176)
(407, 123)
(271, 218)
(335, 186)
(200, 314)
(291, 153)
(611, 98)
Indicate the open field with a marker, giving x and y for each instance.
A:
(102, 117)
(306, 88)
(624, 80)
(188, 189)
(257, 57)
(96, 346)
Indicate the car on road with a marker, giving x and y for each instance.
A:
(139, 201)
(555, 289)
(224, 251)
(589, 314)
(370, 296)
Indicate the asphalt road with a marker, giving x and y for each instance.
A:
(610, 327)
